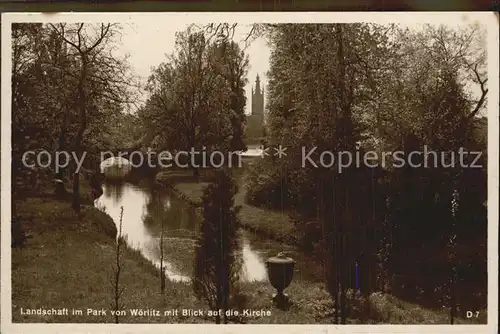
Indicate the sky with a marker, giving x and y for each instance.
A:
(148, 44)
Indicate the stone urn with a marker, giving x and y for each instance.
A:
(280, 271)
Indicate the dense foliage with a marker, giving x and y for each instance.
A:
(364, 87)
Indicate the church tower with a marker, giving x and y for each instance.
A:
(255, 121)
(258, 99)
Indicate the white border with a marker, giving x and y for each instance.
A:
(488, 19)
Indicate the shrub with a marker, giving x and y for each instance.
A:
(308, 232)
(277, 184)
(266, 185)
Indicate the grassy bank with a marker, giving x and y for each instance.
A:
(69, 261)
(271, 224)
(183, 185)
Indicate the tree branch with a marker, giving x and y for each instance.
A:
(484, 92)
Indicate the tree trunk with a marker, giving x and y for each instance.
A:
(162, 268)
(326, 207)
(453, 307)
(224, 305)
(218, 292)
(217, 316)
(83, 125)
(60, 190)
(453, 278)
(342, 275)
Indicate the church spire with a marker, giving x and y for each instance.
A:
(257, 85)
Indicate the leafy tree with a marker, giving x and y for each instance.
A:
(436, 109)
(37, 107)
(42, 96)
(324, 110)
(233, 67)
(197, 98)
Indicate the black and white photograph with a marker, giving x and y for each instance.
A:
(243, 168)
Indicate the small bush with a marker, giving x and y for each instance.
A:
(357, 305)
(266, 185)
(278, 184)
(308, 232)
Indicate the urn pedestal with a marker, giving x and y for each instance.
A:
(280, 272)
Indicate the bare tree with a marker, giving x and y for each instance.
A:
(101, 77)
(225, 32)
(462, 50)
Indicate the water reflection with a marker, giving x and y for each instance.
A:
(139, 232)
(253, 268)
(114, 193)
(148, 212)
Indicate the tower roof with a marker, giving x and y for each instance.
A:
(257, 85)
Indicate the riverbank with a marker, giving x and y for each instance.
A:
(271, 224)
(69, 262)
(182, 186)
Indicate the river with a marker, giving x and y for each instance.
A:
(142, 226)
